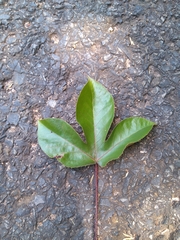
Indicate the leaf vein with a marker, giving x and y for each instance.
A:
(75, 146)
(110, 149)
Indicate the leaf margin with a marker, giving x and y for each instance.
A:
(96, 159)
(45, 145)
(152, 124)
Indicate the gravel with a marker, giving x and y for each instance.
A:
(47, 50)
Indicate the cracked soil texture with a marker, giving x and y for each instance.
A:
(47, 50)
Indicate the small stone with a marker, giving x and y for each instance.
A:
(105, 202)
(13, 118)
(41, 182)
(137, 10)
(46, 113)
(176, 79)
(22, 169)
(11, 39)
(88, 206)
(65, 58)
(79, 87)
(54, 38)
(63, 42)
(51, 103)
(4, 232)
(7, 73)
(4, 109)
(2, 38)
(68, 15)
(107, 57)
(9, 142)
(110, 29)
(22, 211)
(39, 199)
(21, 142)
(123, 200)
(177, 163)
(14, 50)
(39, 162)
(18, 78)
(4, 16)
(15, 65)
(55, 57)
(156, 181)
(157, 154)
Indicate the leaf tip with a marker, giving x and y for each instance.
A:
(90, 79)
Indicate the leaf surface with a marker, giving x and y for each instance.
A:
(95, 113)
(127, 132)
(58, 139)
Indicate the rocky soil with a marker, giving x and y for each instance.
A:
(47, 50)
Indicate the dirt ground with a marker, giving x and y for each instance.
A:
(47, 50)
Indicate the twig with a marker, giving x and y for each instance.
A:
(96, 203)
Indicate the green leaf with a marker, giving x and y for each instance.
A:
(95, 113)
(127, 132)
(58, 139)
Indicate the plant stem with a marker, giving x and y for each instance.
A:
(96, 203)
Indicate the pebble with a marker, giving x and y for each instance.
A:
(39, 162)
(107, 57)
(177, 163)
(38, 199)
(137, 10)
(19, 78)
(23, 211)
(51, 103)
(157, 154)
(4, 16)
(13, 118)
(47, 50)
(4, 109)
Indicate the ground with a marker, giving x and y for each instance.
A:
(47, 50)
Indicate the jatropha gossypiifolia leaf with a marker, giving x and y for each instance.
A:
(95, 113)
